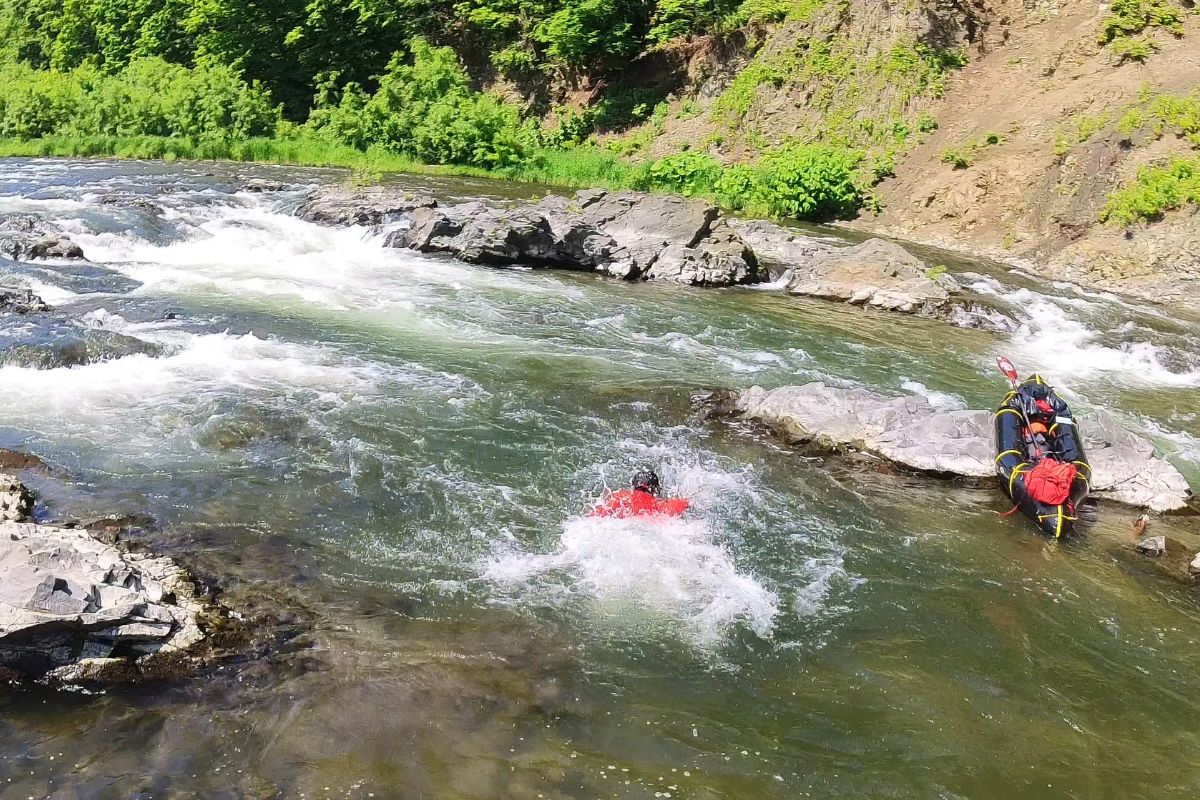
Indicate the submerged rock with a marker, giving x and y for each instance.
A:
(911, 433)
(74, 610)
(1152, 546)
(54, 343)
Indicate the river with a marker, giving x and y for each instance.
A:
(397, 449)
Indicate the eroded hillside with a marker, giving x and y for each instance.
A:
(1016, 129)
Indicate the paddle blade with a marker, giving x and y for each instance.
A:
(1008, 369)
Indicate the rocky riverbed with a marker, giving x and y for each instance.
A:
(636, 236)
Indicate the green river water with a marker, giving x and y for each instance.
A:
(396, 450)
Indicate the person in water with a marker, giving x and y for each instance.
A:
(641, 500)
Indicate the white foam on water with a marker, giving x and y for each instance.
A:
(50, 293)
(250, 250)
(1051, 341)
(639, 571)
(939, 400)
(821, 578)
(1052, 337)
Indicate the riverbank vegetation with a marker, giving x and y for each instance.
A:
(425, 86)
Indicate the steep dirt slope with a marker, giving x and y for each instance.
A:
(1054, 98)
(1002, 124)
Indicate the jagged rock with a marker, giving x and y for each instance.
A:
(427, 229)
(628, 235)
(1194, 566)
(779, 250)
(720, 259)
(20, 300)
(73, 609)
(1152, 546)
(55, 247)
(501, 237)
(342, 205)
(15, 500)
(910, 432)
(26, 236)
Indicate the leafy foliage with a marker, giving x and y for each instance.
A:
(148, 97)
(1156, 190)
(1127, 26)
(810, 182)
(428, 110)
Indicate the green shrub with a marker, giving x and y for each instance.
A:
(958, 157)
(427, 110)
(1130, 17)
(687, 174)
(810, 182)
(148, 98)
(1156, 190)
(738, 187)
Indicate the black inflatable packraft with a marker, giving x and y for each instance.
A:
(1018, 449)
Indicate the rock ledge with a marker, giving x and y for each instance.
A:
(911, 433)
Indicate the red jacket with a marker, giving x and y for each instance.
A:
(634, 503)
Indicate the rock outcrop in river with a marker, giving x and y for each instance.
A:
(75, 610)
(910, 432)
(637, 236)
(27, 236)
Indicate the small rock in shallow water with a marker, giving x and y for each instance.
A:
(1152, 546)
(1194, 567)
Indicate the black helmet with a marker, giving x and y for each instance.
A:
(646, 480)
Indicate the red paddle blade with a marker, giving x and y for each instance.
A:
(1008, 369)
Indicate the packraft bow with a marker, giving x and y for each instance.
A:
(1040, 456)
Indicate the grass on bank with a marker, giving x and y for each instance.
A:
(804, 182)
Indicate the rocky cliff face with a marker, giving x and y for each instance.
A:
(997, 127)
(1043, 128)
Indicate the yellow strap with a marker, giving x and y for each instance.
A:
(1008, 410)
(1007, 452)
(1052, 427)
(1013, 477)
(1083, 464)
(1058, 528)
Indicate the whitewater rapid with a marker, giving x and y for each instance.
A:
(407, 377)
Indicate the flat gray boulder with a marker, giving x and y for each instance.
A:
(358, 205)
(876, 273)
(908, 431)
(75, 610)
(629, 235)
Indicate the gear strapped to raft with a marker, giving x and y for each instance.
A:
(1040, 455)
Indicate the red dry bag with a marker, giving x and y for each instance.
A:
(1049, 481)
